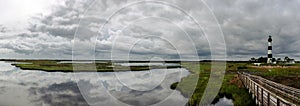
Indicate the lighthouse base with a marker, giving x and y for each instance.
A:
(269, 61)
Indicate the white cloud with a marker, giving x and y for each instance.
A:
(246, 25)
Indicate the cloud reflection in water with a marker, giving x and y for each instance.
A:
(35, 88)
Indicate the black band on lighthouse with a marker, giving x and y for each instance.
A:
(269, 47)
(269, 55)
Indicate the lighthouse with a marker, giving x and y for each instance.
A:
(270, 56)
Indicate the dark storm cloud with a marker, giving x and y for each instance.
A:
(137, 98)
(67, 94)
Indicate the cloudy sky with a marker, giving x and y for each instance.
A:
(158, 29)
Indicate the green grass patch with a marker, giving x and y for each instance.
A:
(55, 66)
(232, 88)
(238, 93)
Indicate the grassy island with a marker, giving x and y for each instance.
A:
(58, 66)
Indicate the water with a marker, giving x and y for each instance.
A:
(60, 62)
(224, 102)
(148, 64)
(37, 88)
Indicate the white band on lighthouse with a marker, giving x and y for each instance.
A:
(269, 51)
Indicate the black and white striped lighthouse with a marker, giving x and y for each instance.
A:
(270, 56)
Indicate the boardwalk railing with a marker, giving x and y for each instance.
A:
(269, 93)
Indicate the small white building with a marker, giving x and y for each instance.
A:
(290, 61)
(257, 64)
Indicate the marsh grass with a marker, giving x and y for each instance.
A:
(194, 84)
(55, 66)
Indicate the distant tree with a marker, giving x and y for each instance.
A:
(273, 59)
(286, 58)
(252, 59)
(278, 59)
(262, 59)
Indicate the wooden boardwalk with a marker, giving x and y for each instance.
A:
(269, 93)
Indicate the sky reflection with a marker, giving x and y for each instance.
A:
(35, 88)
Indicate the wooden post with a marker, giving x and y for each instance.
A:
(245, 81)
(254, 89)
(262, 96)
(268, 99)
(278, 102)
(253, 85)
(257, 93)
(249, 88)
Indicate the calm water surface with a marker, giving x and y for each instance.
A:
(37, 88)
(224, 102)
